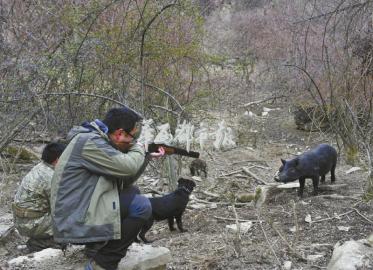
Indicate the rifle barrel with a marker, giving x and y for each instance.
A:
(153, 147)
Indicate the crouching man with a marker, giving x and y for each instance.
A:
(93, 199)
(31, 207)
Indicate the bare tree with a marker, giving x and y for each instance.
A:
(333, 67)
(74, 59)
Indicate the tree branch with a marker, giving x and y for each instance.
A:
(64, 94)
(333, 12)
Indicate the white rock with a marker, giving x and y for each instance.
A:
(21, 247)
(6, 219)
(213, 206)
(315, 257)
(139, 257)
(251, 114)
(143, 257)
(308, 218)
(244, 227)
(264, 113)
(287, 265)
(6, 224)
(37, 257)
(351, 255)
(197, 178)
(294, 229)
(353, 169)
(343, 228)
(370, 239)
(4, 229)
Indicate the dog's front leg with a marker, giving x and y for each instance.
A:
(171, 223)
(179, 223)
(148, 224)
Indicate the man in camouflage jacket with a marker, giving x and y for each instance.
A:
(31, 207)
(93, 200)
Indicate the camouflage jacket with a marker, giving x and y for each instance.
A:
(31, 206)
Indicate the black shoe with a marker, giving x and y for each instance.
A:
(110, 255)
(91, 249)
(131, 229)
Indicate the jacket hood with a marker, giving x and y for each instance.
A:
(95, 126)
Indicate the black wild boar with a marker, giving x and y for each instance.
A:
(311, 164)
(198, 166)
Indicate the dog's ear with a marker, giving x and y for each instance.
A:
(181, 181)
(190, 184)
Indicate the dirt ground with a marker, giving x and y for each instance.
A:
(279, 230)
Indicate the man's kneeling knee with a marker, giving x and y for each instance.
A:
(140, 207)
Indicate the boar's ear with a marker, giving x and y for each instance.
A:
(283, 161)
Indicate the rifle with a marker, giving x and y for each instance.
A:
(153, 147)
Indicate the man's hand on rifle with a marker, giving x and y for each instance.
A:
(161, 152)
(154, 154)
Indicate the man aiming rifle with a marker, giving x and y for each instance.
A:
(93, 200)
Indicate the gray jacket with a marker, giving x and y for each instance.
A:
(86, 184)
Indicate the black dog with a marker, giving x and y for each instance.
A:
(169, 207)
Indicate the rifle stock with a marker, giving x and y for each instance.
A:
(170, 150)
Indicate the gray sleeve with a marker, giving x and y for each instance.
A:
(100, 157)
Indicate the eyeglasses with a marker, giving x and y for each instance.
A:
(132, 136)
(136, 134)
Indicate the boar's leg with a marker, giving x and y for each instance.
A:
(171, 223)
(332, 172)
(302, 180)
(315, 182)
(192, 171)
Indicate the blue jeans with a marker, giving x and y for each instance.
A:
(133, 204)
